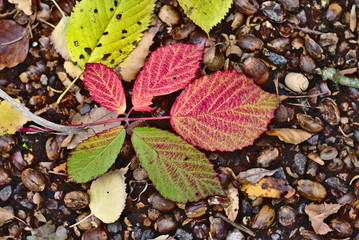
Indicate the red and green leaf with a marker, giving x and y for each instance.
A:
(178, 170)
(105, 87)
(94, 156)
(224, 111)
(167, 70)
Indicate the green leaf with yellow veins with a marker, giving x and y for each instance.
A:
(204, 13)
(106, 31)
(178, 170)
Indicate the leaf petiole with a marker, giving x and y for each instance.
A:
(333, 75)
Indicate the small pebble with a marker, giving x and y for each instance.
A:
(183, 235)
(44, 79)
(337, 184)
(235, 234)
(86, 108)
(148, 234)
(114, 227)
(277, 59)
(5, 193)
(300, 160)
(61, 232)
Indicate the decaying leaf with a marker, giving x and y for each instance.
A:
(268, 187)
(106, 31)
(5, 215)
(108, 195)
(23, 5)
(105, 87)
(162, 237)
(97, 114)
(179, 171)
(254, 175)
(224, 111)
(11, 118)
(95, 155)
(289, 135)
(318, 212)
(72, 69)
(58, 38)
(131, 65)
(233, 195)
(14, 43)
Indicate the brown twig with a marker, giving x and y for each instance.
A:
(236, 225)
(305, 30)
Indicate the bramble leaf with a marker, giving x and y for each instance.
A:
(206, 14)
(106, 31)
(167, 70)
(179, 171)
(11, 118)
(224, 111)
(108, 195)
(95, 155)
(105, 87)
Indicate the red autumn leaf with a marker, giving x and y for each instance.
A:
(224, 111)
(167, 70)
(14, 43)
(105, 87)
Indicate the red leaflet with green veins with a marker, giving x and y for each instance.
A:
(167, 70)
(105, 87)
(224, 111)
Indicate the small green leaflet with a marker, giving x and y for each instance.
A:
(206, 14)
(95, 155)
(106, 31)
(179, 171)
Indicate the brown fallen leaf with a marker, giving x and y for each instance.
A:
(96, 115)
(254, 175)
(130, 67)
(232, 210)
(14, 43)
(289, 135)
(23, 5)
(318, 212)
(268, 187)
(5, 215)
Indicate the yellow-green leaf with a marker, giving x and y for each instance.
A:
(106, 31)
(204, 13)
(11, 118)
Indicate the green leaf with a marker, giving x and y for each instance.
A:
(94, 156)
(206, 14)
(179, 171)
(106, 31)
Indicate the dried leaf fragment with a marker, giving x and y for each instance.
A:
(289, 135)
(11, 118)
(318, 212)
(23, 5)
(58, 38)
(14, 43)
(254, 175)
(5, 215)
(268, 187)
(232, 210)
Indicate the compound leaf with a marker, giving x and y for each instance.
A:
(167, 70)
(95, 155)
(224, 111)
(106, 31)
(105, 87)
(206, 14)
(179, 171)
(108, 195)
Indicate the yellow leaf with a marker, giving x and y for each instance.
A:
(269, 187)
(58, 38)
(11, 118)
(108, 195)
(288, 135)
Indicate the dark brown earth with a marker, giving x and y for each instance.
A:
(266, 45)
